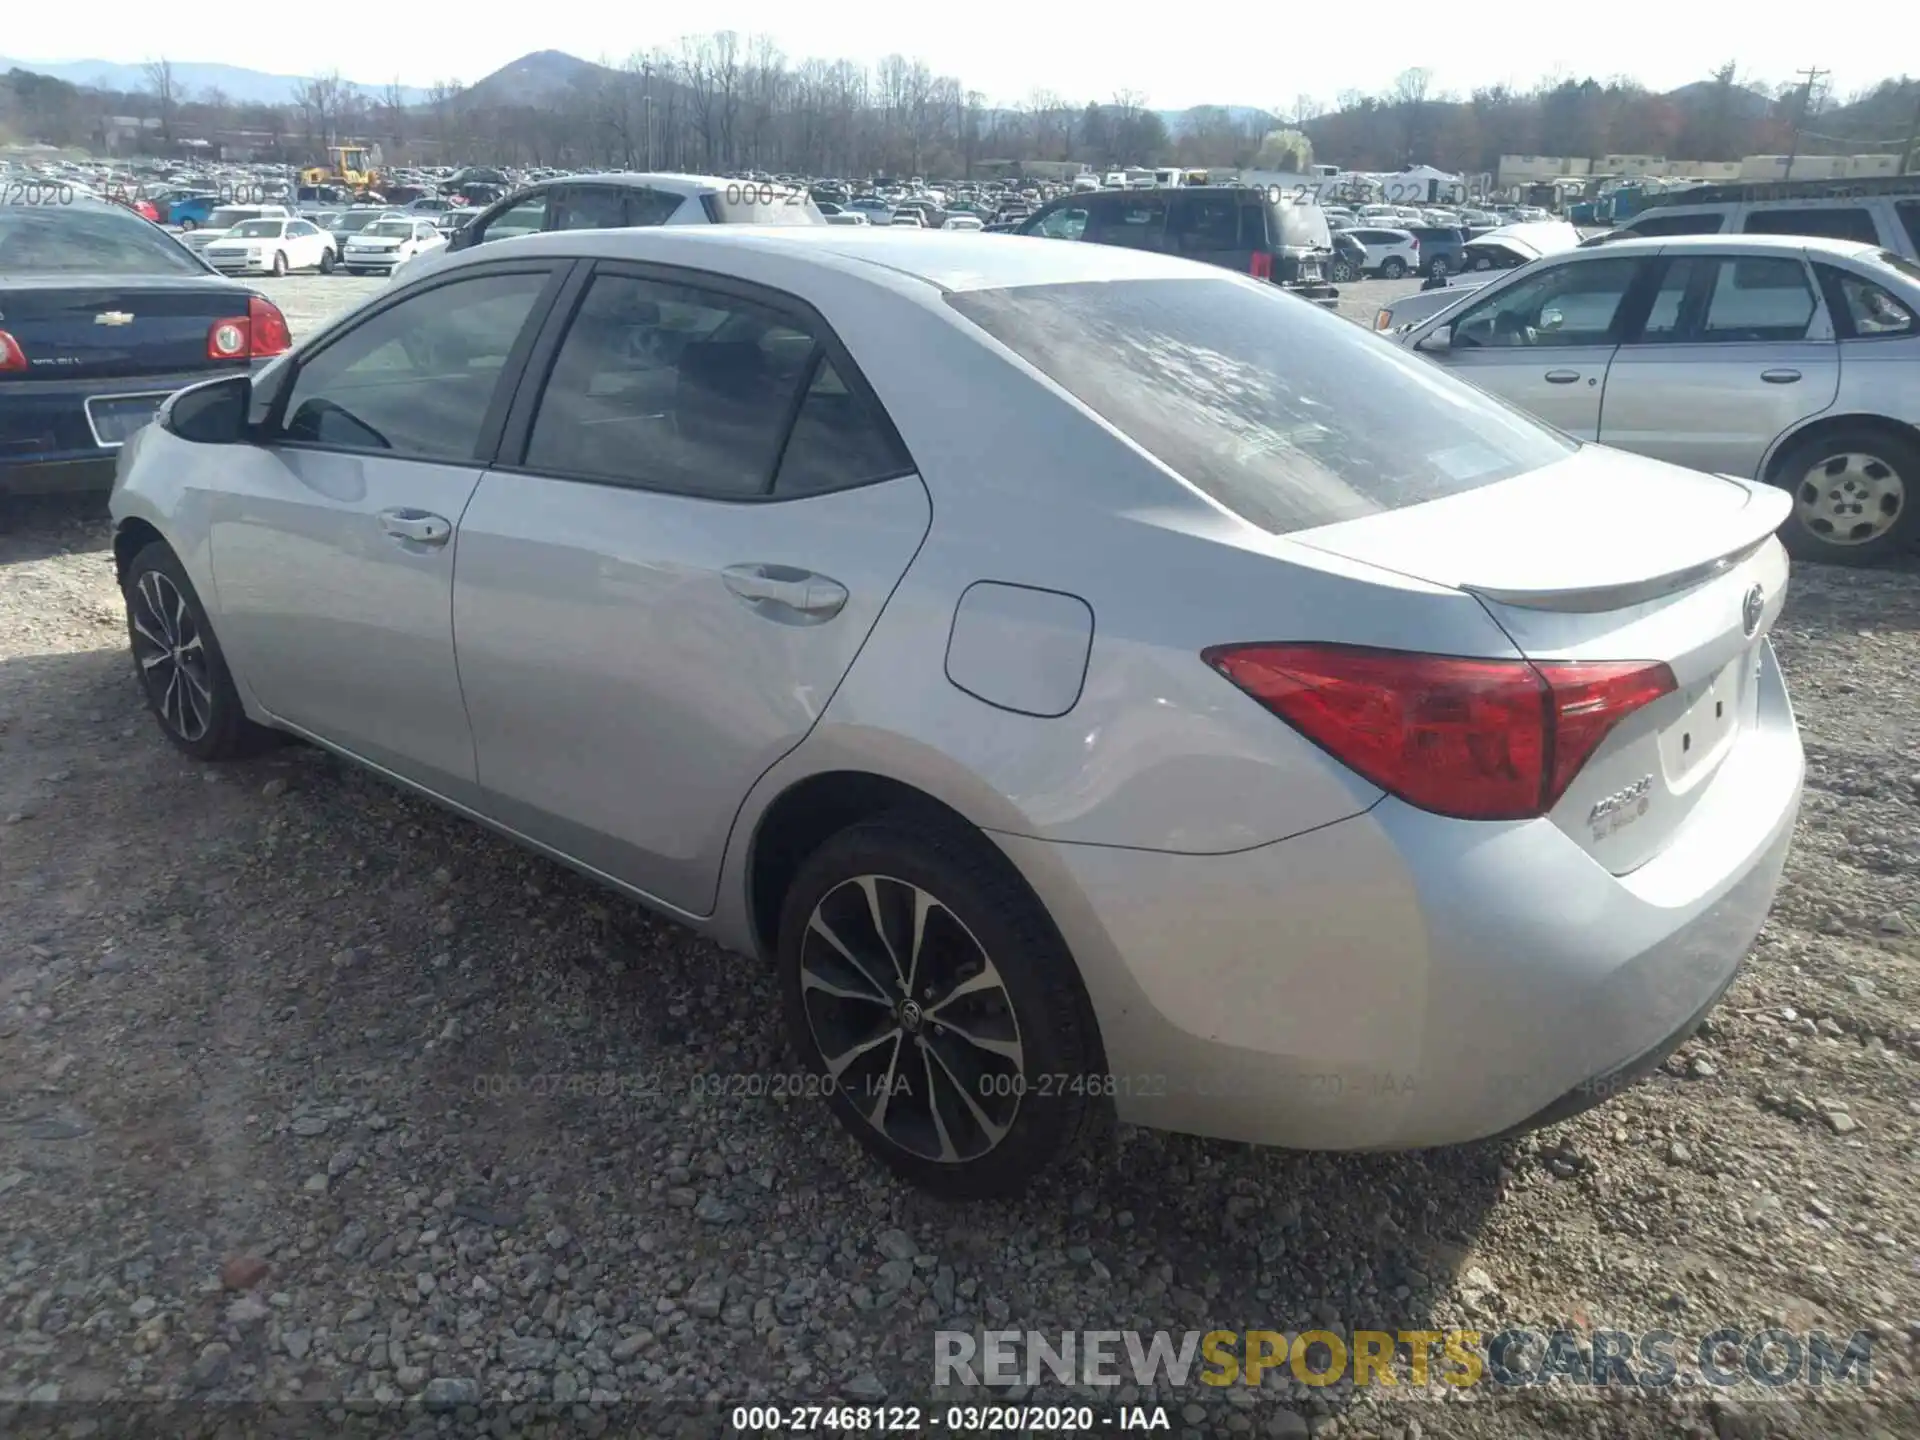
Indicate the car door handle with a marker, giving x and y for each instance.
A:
(1779, 377)
(1562, 377)
(771, 589)
(419, 526)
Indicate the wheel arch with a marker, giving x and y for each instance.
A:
(1825, 424)
(130, 537)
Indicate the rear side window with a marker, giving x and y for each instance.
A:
(667, 387)
(1287, 415)
(82, 240)
(1865, 310)
(651, 207)
(1203, 224)
(589, 207)
(1698, 223)
(1759, 298)
(838, 440)
(1834, 222)
(750, 204)
(1135, 223)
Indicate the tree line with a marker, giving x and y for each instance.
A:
(727, 102)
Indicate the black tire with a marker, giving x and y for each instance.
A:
(1032, 992)
(1392, 268)
(326, 261)
(1438, 266)
(355, 270)
(1873, 481)
(1343, 272)
(205, 718)
(189, 224)
(279, 262)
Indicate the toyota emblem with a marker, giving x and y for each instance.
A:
(1752, 608)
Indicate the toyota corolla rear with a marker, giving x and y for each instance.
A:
(102, 316)
(1452, 794)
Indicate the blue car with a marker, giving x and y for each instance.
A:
(102, 316)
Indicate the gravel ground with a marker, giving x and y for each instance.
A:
(311, 1092)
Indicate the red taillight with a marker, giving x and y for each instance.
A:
(1262, 265)
(270, 333)
(12, 357)
(258, 334)
(1474, 739)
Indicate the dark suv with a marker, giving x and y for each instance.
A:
(1242, 228)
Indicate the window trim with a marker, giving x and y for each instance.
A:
(265, 433)
(510, 455)
(1810, 205)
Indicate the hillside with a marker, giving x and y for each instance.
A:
(193, 79)
(537, 81)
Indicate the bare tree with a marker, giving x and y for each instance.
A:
(166, 95)
(393, 114)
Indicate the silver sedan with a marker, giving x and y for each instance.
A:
(1098, 683)
(1788, 360)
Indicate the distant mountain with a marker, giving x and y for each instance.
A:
(1747, 104)
(192, 78)
(535, 80)
(1177, 121)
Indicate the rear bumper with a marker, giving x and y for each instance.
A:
(46, 445)
(1399, 980)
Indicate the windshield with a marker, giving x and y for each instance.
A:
(227, 219)
(353, 224)
(402, 228)
(76, 240)
(257, 230)
(1287, 415)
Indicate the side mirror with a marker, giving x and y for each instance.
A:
(212, 413)
(1438, 343)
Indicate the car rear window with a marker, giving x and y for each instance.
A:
(84, 240)
(1287, 415)
(1300, 226)
(749, 204)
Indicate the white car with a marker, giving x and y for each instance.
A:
(385, 245)
(846, 217)
(963, 222)
(908, 220)
(271, 246)
(1391, 253)
(220, 221)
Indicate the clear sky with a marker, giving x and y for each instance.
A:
(1241, 54)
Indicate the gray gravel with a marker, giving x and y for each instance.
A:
(309, 1090)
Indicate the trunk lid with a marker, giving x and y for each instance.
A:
(1608, 556)
(76, 327)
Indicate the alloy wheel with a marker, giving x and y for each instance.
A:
(1850, 499)
(172, 655)
(911, 1018)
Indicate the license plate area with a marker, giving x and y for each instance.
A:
(1692, 744)
(113, 419)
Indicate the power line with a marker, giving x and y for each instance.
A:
(1812, 77)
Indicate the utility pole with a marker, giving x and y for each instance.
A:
(1812, 77)
(1913, 138)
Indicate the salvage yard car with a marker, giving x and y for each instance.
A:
(1250, 704)
(272, 247)
(102, 316)
(1791, 361)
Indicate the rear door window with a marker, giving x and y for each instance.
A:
(1759, 298)
(1200, 224)
(1134, 222)
(1834, 222)
(1283, 413)
(589, 207)
(651, 207)
(670, 387)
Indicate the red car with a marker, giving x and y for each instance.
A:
(145, 209)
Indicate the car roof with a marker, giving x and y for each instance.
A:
(657, 180)
(1630, 244)
(949, 260)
